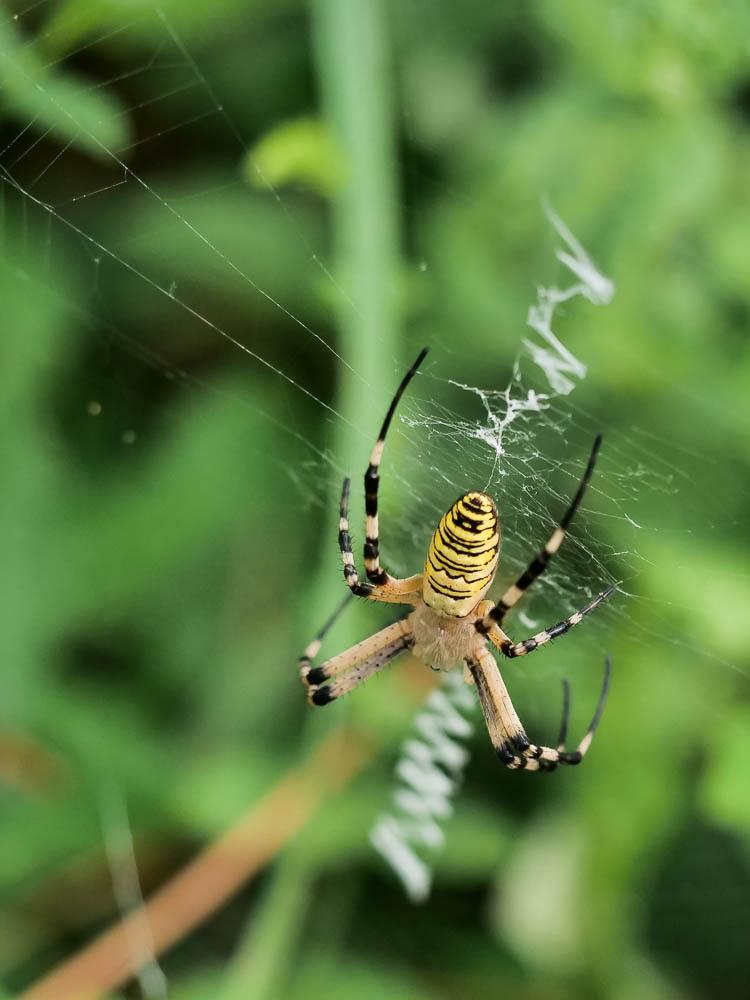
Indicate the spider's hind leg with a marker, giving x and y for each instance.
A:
(506, 732)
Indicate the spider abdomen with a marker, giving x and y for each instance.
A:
(463, 555)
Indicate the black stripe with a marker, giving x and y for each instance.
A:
(472, 510)
(461, 576)
(371, 490)
(463, 567)
(462, 510)
(322, 696)
(470, 576)
(469, 524)
(471, 514)
(538, 566)
(474, 505)
(446, 535)
(460, 544)
(560, 629)
(399, 393)
(583, 485)
(316, 676)
(449, 592)
(450, 520)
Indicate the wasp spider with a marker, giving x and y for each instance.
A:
(451, 623)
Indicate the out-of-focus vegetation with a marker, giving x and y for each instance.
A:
(161, 570)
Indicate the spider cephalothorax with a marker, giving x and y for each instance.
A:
(451, 623)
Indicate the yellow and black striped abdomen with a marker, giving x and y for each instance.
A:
(463, 554)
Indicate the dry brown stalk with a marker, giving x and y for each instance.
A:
(210, 879)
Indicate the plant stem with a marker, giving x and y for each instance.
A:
(351, 45)
(351, 51)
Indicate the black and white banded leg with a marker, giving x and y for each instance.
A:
(392, 590)
(540, 563)
(375, 573)
(313, 647)
(512, 649)
(508, 737)
(342, 673)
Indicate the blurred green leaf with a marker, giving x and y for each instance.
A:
(58, 102)
(339, 978)
(723, 788)
(302, 151)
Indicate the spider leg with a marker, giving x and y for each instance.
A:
(345, 671)
(540, 562)
(507, 647)
(505, 730)
(375, 573)
(313, 647)
(392, 591)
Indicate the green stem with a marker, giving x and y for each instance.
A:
(351, 49)
(355, 77)
(264, 955)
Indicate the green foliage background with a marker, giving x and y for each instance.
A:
(161, 571)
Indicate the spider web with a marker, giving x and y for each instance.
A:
(80, 182)
(67, 168)
(525, 439)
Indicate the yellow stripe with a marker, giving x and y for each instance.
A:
(482, 530)
(462, 557)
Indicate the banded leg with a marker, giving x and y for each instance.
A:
(507, 647)
(539, 564)
(393, 591)
(506, 732)
(342, 673)
(313, 647)
(375, 573)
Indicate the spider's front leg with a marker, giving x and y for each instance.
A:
(391, 590)
(488, 626)
(541, 561)
(375, 572)
(506, 732)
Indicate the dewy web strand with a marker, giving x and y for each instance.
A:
(128, 172)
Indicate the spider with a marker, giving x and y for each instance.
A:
(451, 622)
